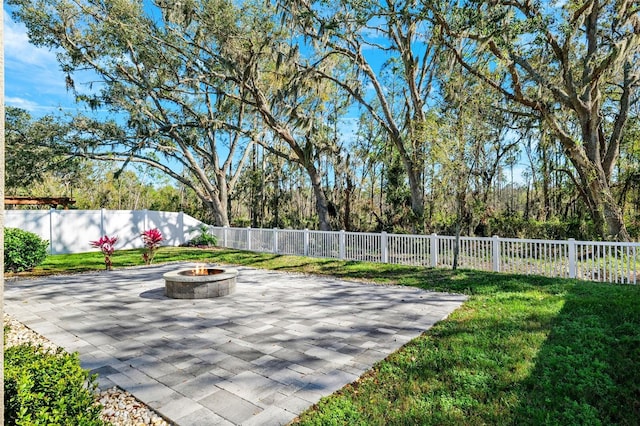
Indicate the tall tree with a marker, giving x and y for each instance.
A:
(294, 107)
(260, 64)
(557, 59)
(395, 93)
(171, 114)
(192, 80)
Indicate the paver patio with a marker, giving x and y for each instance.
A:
(257, 357)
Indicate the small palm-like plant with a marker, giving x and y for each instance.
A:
(152, 239)
(106, 245)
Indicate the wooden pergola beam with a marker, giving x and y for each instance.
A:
(54, 202)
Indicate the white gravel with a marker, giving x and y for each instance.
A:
(118, 406)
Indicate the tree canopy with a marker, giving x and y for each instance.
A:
(399, 116)
(35, 147)
(574, 64)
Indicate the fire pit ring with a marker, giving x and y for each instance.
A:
(200, 282)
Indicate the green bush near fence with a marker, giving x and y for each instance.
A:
(23, 250)
(204, 239)
(47, 388)
(517, 226)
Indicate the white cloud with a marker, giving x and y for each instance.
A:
(35, 107)
(33, 80)
(21, 103)
(17, 47)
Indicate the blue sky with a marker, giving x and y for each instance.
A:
(33, 80)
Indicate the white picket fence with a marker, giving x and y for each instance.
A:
(70, 231)
(612, 262)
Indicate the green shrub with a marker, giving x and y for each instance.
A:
(45, 388)
(204, 239)
(23, 250)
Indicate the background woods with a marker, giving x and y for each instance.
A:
(491, 118)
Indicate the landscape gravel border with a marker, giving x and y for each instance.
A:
(119, 407)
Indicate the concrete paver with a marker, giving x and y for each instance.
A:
(259, 356)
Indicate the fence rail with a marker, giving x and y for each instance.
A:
(613, 262)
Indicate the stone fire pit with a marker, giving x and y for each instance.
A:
(201, 282)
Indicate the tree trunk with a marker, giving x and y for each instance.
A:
(596, 193)
(417, 200)
(347, 203)
(414, 175)
(219, 201)
(219, 213)
(456, 245)
(322, 205)
(605, 212)
(546, 178)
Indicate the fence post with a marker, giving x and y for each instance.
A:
(342, 248)
(306, 242)
(181, 238)
(433, 249)
(224, 236)
(248, 238)
(572, 257)
(384, 247)
(275, 240)
(51, 242)
(495, 253)
(102, 231)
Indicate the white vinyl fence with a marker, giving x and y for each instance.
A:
(588, 260)
(71, 231)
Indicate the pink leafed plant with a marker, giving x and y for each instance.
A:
(106, 245)
(152, 239)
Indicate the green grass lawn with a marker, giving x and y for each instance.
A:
(522, 350)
